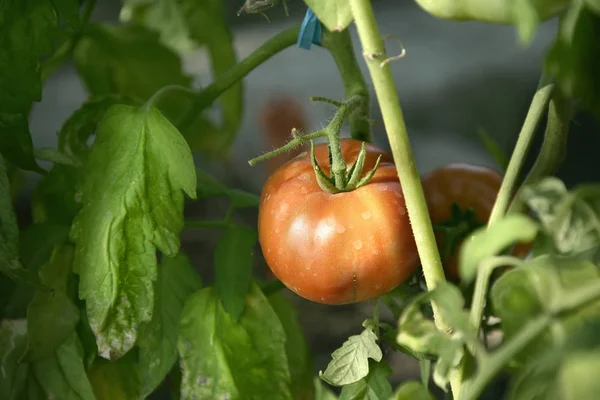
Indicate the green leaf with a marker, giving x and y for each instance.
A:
(165, 17)
(336, 15)
(421, 336)
(350, 363)
(52, 309)
(593, 5)
(298, 353)
(177, 280)
(132, 198)
(571, 220)
(129, 60)
(9, 235)
(522, 294)
(13, 344)
(56, 197)
(209, 186)
(375, 386)
(224, 359)
(30, 30)
(412, 390)
(574, 59)
(38, 241)
(63, 376)
(233, 268)
(489, 241)
(118, 380)
(564, 372)
(55, 156)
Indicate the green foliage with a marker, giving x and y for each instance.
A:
(350, 363)
(132, 200)
(52, 309)
(233, 268)
(222, 358)
(157, 343)
(21, 50)
(88, 312)
(374, 386)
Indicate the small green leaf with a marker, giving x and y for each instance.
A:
(489, 241)
(412, 390)
(9, 235)
(224, 359)
(118, 380)
(177, 280)
(421, 336)
(350, 363)
(336, 15)
(298, 353)
(63, 376)
(13, 345)
(132, 198)
(233, 268)
(571, 220)
(374, 386)
(574, 59)
(52, 309)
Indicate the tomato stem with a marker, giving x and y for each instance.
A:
(340, 47)
(553, 148)
(296, 141)
(209, 94)
(537, 108)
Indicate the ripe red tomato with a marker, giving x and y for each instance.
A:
(336, 248)
(469, 187)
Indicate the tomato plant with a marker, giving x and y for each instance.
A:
(99, 300)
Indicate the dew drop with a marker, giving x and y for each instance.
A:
(366, 215)
(357, 244)
(375, 251)
(340, 229)
(401, 210)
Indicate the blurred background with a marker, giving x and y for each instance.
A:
(456, 78)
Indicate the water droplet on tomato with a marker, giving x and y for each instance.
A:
(357, 244)
(366, 215)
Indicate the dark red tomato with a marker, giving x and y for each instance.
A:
(469, 187)
(336, 248)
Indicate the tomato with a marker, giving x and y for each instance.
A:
(470, 187)
(336, 248)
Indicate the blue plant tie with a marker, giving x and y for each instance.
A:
(310, 31)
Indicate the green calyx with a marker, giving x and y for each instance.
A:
(347, 181)
(460, 224)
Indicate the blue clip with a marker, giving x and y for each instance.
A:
(310, 31)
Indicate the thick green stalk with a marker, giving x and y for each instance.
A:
(208, 95)
(340, 47)
(374, 53)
